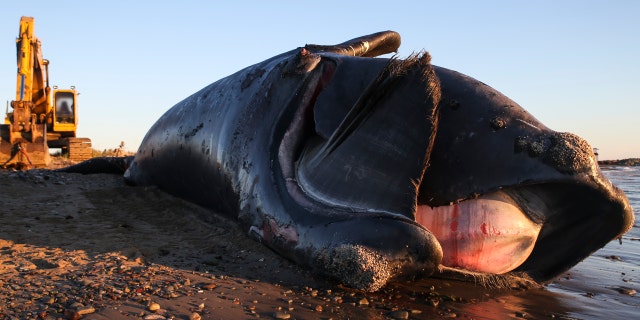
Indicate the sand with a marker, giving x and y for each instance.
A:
(88, 246)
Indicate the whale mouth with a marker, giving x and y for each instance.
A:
(489, 234)
(540, 229)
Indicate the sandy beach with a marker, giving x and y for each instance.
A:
(78, 246)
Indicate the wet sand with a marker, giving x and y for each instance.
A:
(88, 246)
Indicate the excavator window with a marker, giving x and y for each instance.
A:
(64, 107)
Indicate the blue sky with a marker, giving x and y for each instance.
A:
(573, 64)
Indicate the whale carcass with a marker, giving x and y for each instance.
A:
(370, 169)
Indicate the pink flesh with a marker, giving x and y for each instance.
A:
(488, 234)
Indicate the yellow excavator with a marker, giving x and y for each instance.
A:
(40, 118)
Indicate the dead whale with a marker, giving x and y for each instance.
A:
(370, 169)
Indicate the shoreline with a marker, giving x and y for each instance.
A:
(620, 162)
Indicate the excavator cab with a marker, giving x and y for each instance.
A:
(64, 111)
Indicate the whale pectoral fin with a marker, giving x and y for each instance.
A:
(375, 159)
(371, 45)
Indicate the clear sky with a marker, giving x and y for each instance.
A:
(573, 64)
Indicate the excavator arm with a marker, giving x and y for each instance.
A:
(33, 80)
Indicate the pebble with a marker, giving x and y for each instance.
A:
(154, 306)
(48, 300)
(86, 310)
(363, 302)
(627, 291)
(209, 286)
(195, 316)
(154, 317)
(281, 315)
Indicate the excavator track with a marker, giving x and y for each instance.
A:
(78, 149)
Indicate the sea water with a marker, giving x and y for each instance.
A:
(627, 179)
